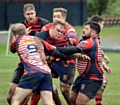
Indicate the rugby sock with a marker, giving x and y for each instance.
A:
(98, 99)
(35, 99)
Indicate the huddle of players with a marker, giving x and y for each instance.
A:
(62, 35)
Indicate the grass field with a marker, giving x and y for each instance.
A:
(111, 95)
(107, 31)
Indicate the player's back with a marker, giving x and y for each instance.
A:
(31, 52)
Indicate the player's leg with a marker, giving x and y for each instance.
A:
(73, 97)
(66, 85)
(45, 89)
(99, 95)
(56, 97)
(87, 91)
(46, 97)
(65, 89)
(20, 95)
(15, 80)
(11, 91)
(35, 97)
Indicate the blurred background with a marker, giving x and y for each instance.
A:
(79, 11)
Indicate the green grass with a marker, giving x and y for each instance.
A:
(107, 31)
(9, 63)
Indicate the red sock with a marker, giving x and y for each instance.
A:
(98, 100)
(35, 99)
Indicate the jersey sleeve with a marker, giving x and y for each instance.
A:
(48, 48)
(13, 46)
(51, 50)
(43, 21)
(69, 50)
(86, 44)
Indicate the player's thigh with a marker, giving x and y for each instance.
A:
(18, 73)
(20, 94)
(11, 90)
(73, 96)
(82, 99)
(64, 86)
(46, 97)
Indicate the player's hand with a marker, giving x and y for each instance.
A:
(83, 57)
(65, 63)
(80, 56)
(107, 69)
(50, 58)
(107, 59)
(71, 41)
(29, 29)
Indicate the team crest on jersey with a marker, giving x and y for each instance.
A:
(65, 77)
(82, 86)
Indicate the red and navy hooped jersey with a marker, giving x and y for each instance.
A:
(64, 41)
(46, 36)
(69, 31)
(36, 26)
(91, 69)
(32, 54)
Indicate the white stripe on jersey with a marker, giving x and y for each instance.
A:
(28, 52)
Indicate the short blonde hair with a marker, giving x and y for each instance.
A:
(58, 21)
(62, 10)
(28, 6)
(18, 29)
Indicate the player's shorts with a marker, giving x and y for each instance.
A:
(66, 74)
(18, 73)
(36, 82)
(87, 87)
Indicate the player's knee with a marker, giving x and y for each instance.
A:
(104, 84)
(65, 89)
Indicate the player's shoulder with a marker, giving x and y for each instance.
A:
(22, 21)
(44, 35)
(43, 21)
(48, 25)
(69, 27)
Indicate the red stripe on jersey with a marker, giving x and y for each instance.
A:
(99, 58)
(36, 26)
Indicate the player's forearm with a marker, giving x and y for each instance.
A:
(69, 50)
(59, 54)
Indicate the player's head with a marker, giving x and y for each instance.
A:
(29, 13)
(18, 29)
(91, 29)
(57, 29)
(59, 13)
(98, 19)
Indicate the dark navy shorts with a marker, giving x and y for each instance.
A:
(18, 73)
(87, 87)
(66, 74)
(37, 82)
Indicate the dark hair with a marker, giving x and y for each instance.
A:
(96, 18)
(93, 25)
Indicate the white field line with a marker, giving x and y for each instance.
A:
(6, 71)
